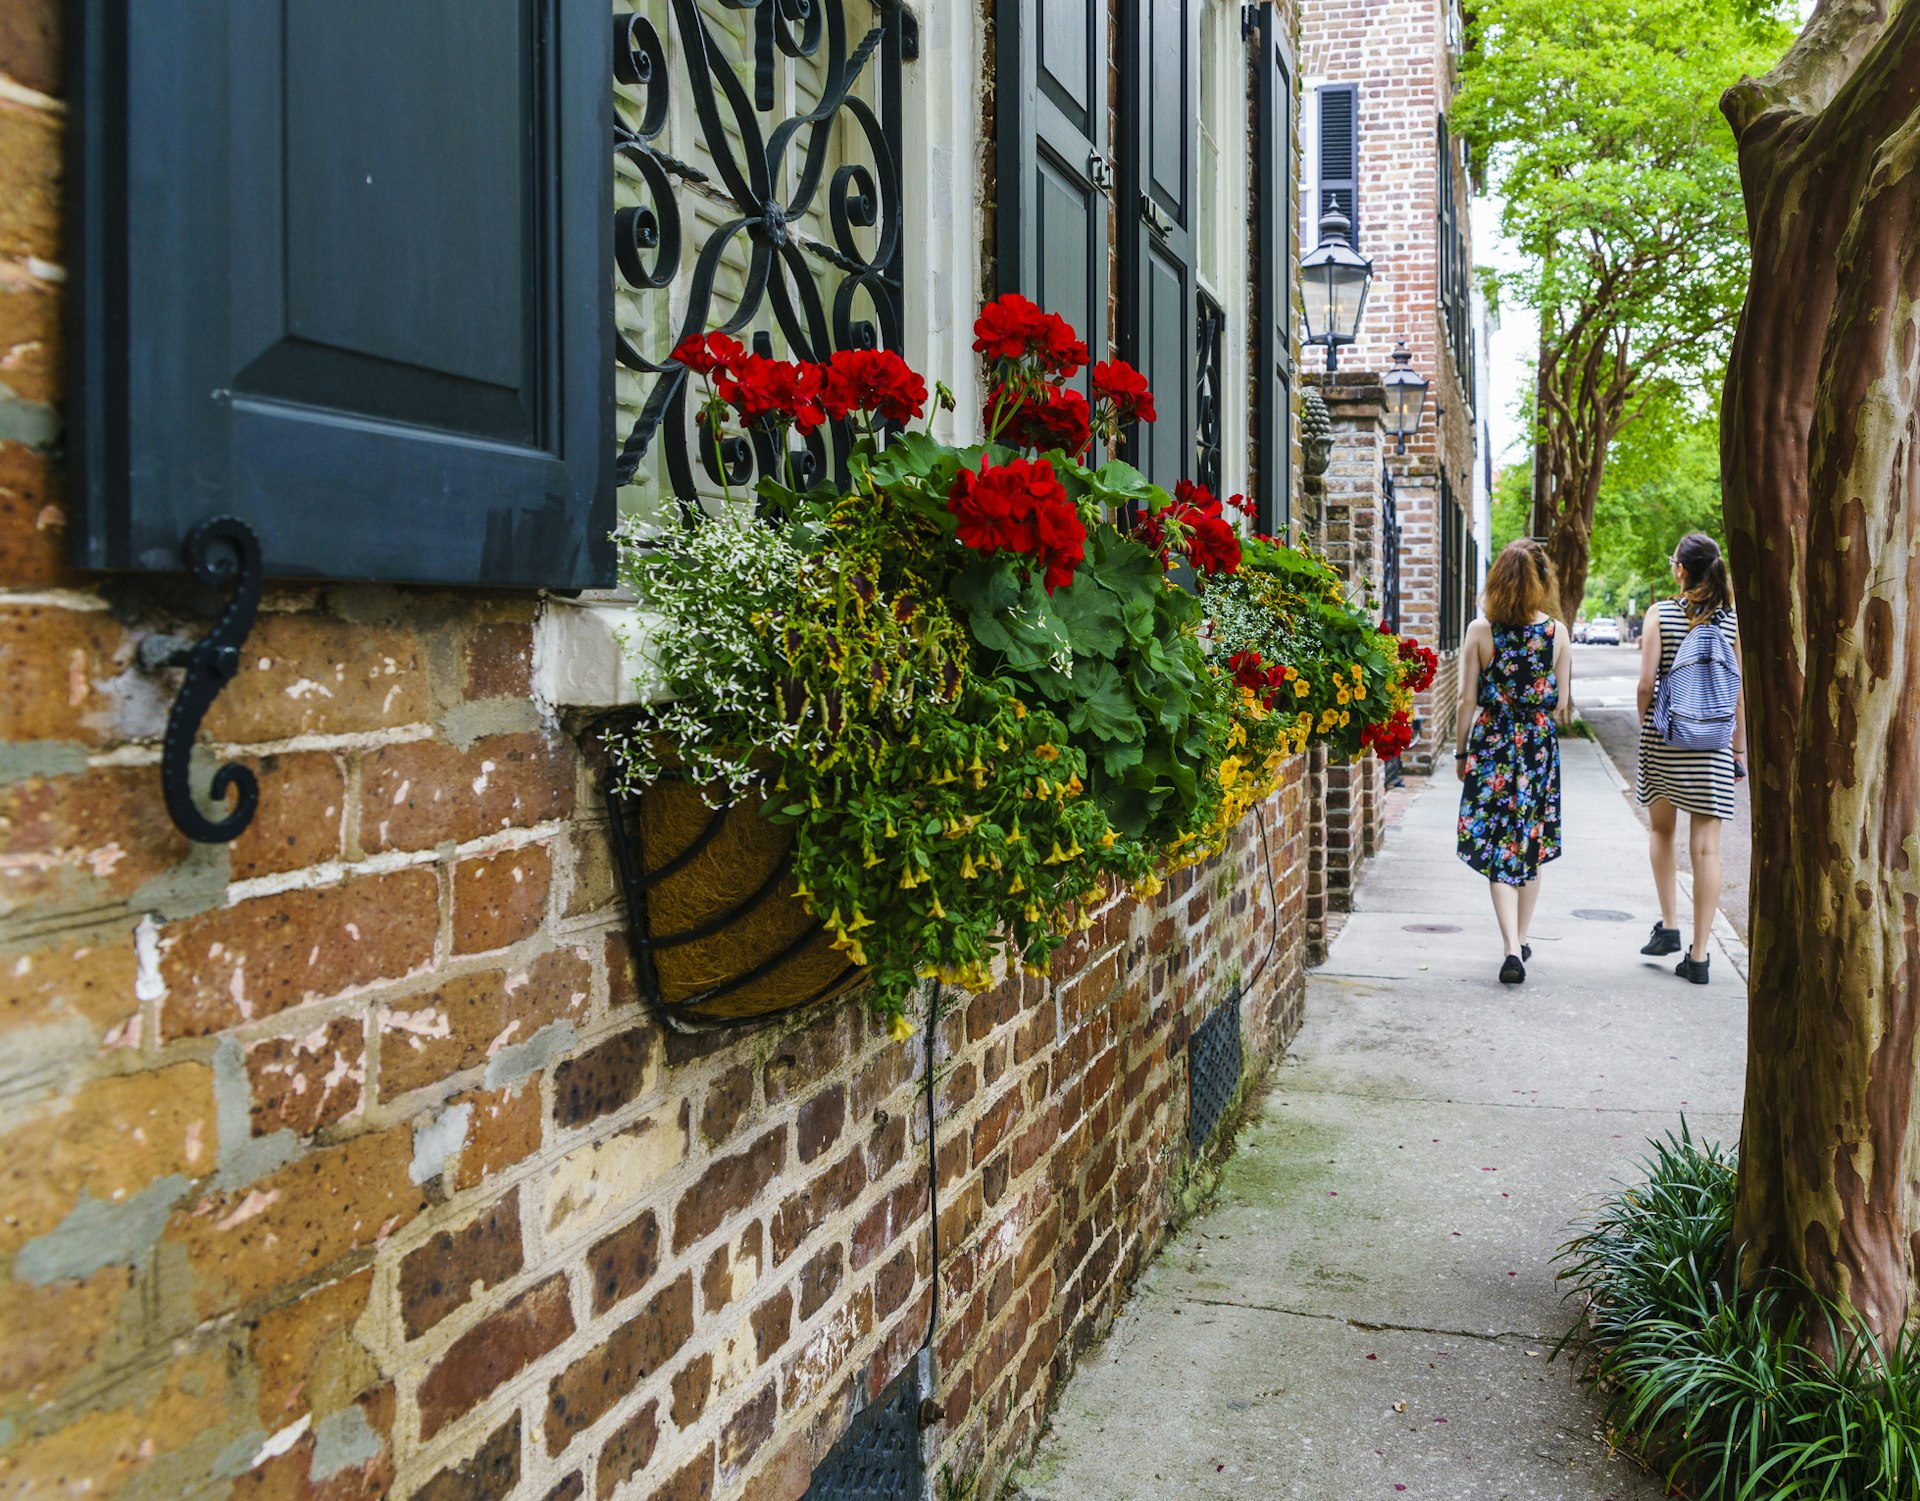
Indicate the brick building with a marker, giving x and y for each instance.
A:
(1377, 78)
(345, 1158)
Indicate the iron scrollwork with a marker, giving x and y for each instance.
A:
(771, 183)
(1208, 391)
(220, 551)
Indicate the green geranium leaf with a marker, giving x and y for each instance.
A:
(1103, 706)
(1092, 616)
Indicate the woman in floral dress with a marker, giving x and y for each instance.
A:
(1516, 679)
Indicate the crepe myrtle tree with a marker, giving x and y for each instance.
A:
(1820, 455)
(1600, 124)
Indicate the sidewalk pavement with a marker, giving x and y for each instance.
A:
(1368, 1309)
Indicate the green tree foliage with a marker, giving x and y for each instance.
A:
(1662, 481)
(1601, 123)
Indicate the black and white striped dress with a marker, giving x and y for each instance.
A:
(1699, 782)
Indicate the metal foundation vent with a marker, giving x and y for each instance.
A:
(878, 1457)
(1213, 1070)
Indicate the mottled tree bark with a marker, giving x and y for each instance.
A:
(1821, 462)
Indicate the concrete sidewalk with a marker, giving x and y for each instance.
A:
(1368, 1309)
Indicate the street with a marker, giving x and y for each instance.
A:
(1604, 678)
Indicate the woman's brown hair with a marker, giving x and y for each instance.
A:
(1708, 589)
(1519, 585)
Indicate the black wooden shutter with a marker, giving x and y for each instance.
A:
(1340, 152)
(346, 273)
(1051, 122)
(1273, 280)
(1160, 69)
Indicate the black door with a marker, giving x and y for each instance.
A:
(1051, 122)
(1159, 206)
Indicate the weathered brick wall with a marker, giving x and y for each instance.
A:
(1397, 52)
(344, 1161)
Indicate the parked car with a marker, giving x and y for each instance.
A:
(1580, 631)
(1603, 630)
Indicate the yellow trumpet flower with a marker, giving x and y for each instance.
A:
(1047, 751)
(1109, 839)
(936, 910)
(1014, 836)
(1019, 884)
(899, 1029)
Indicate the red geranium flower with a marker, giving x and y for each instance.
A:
(872, 380)
(1213, 545)
(1020, 507)
(1126, 388)
(1058, 417)
(705, 353)
(1193, 525)
(1008, 327)
(758, 388)
(1060, 350)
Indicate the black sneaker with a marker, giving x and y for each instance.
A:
(1513, 971)
(1663, 941)
(1690, 968)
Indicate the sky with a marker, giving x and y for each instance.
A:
(1512, 347)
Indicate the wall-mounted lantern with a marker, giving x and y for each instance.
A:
(1406, 397)
(1334, 279)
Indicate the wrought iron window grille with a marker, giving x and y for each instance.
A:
(1208, 391)
(815, 243)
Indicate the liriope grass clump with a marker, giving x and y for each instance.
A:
(1719, 1385)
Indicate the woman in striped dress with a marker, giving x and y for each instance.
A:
(1700, 782)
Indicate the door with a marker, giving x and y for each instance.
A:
(1160, 83)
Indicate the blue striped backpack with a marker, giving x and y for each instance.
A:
(1694, 706)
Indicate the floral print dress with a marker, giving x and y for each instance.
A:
(1510, 804)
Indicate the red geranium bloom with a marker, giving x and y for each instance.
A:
(1020, 507)
(705, 353)
(1426, 664)
(1060, 350)
(1126, 388)
(1008, 327)
(872, 380)
(1057, 418)
(1213, 545)
(758, 388)
(1198, 497)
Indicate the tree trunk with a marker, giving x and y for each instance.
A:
(1821, 468)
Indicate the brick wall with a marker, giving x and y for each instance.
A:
(343, 1161)
(1396, 52)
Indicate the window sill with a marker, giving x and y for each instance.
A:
(590, 653)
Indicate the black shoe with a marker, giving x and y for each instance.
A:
(1526, 951)
(1690, 968)
(1513, 971)
(1664, 941)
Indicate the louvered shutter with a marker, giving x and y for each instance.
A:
(1050, 117)
(346, 273)
(1339, 183)
(1273, 279)
(1159, 203)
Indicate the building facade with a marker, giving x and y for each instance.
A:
(1377, 79)
(346, 1158)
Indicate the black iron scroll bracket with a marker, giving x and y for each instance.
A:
(220, 550)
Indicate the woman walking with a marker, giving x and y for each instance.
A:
(1672, 778)
(1516, 678)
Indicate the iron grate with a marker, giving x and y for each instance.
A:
(878, 1457)
(1213, 1070)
